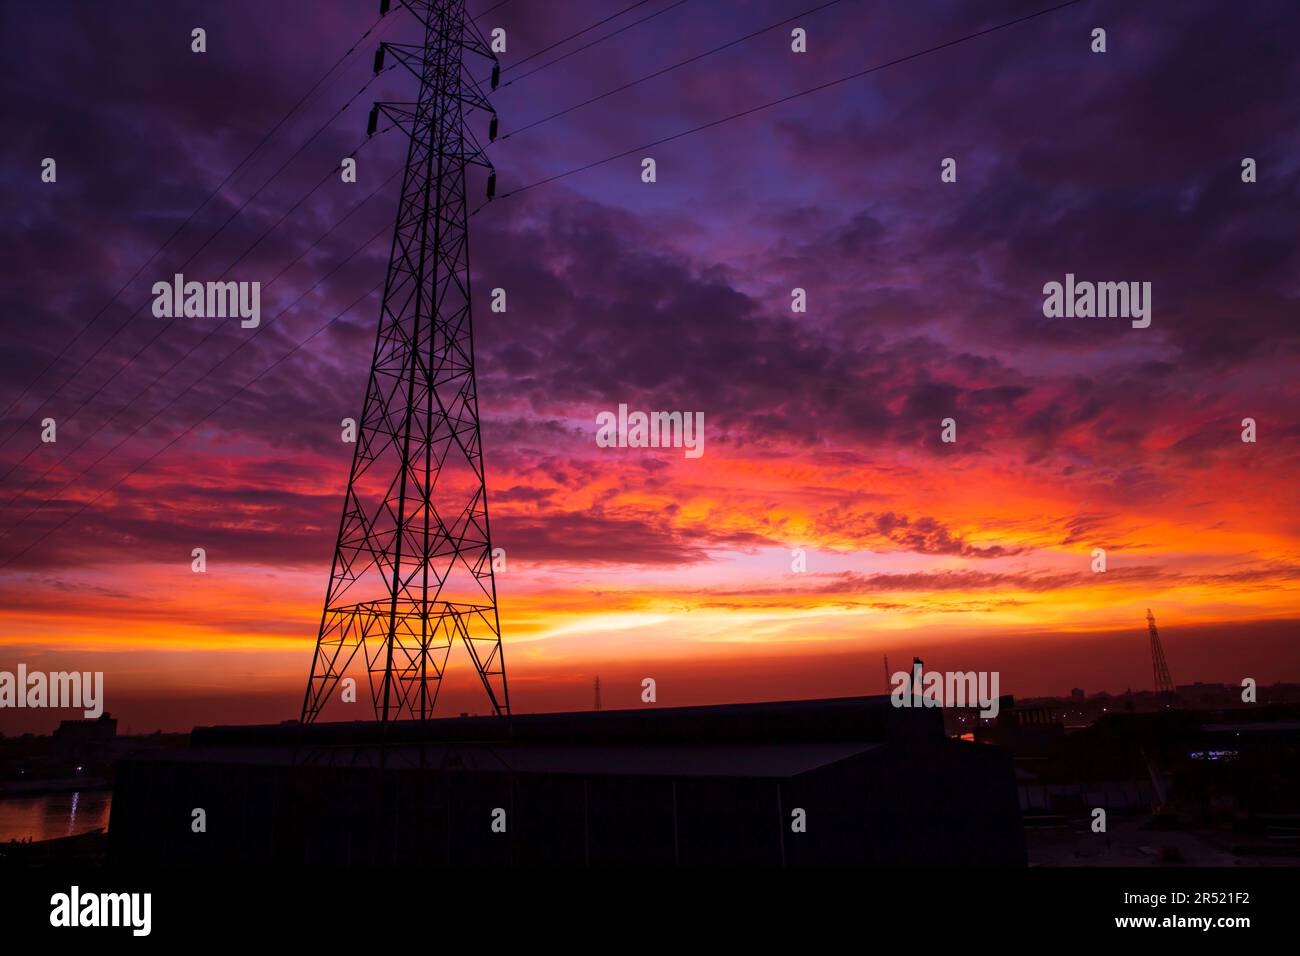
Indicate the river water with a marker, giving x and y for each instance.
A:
(52, 815)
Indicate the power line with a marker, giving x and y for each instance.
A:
(107, 341)
(243, 162)
(194, 256)
(588, 46)
(139, 351)
(573, 36)
(243, 388)
(787, 99)
(180, 360)
(669, 69)
(246, 341)
(490, 9)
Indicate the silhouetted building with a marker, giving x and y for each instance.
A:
(1021, 730)
(849, 780)
(81, 733)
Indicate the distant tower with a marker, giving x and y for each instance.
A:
(1164, 683)
(889, 683)
(598, 693)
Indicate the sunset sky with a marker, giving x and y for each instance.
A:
(822, 429)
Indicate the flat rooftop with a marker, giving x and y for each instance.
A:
(832, 720)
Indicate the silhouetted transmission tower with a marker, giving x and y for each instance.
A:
(412, 571)
(1164, 683)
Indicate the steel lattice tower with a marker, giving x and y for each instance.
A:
(1164, 683)
(412, 571)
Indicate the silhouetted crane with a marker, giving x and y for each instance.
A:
(1164, 683)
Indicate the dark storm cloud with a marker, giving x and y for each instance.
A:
(585, 539)
(925, 298)
(891, 531)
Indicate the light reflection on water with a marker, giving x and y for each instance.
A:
(53, 815)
